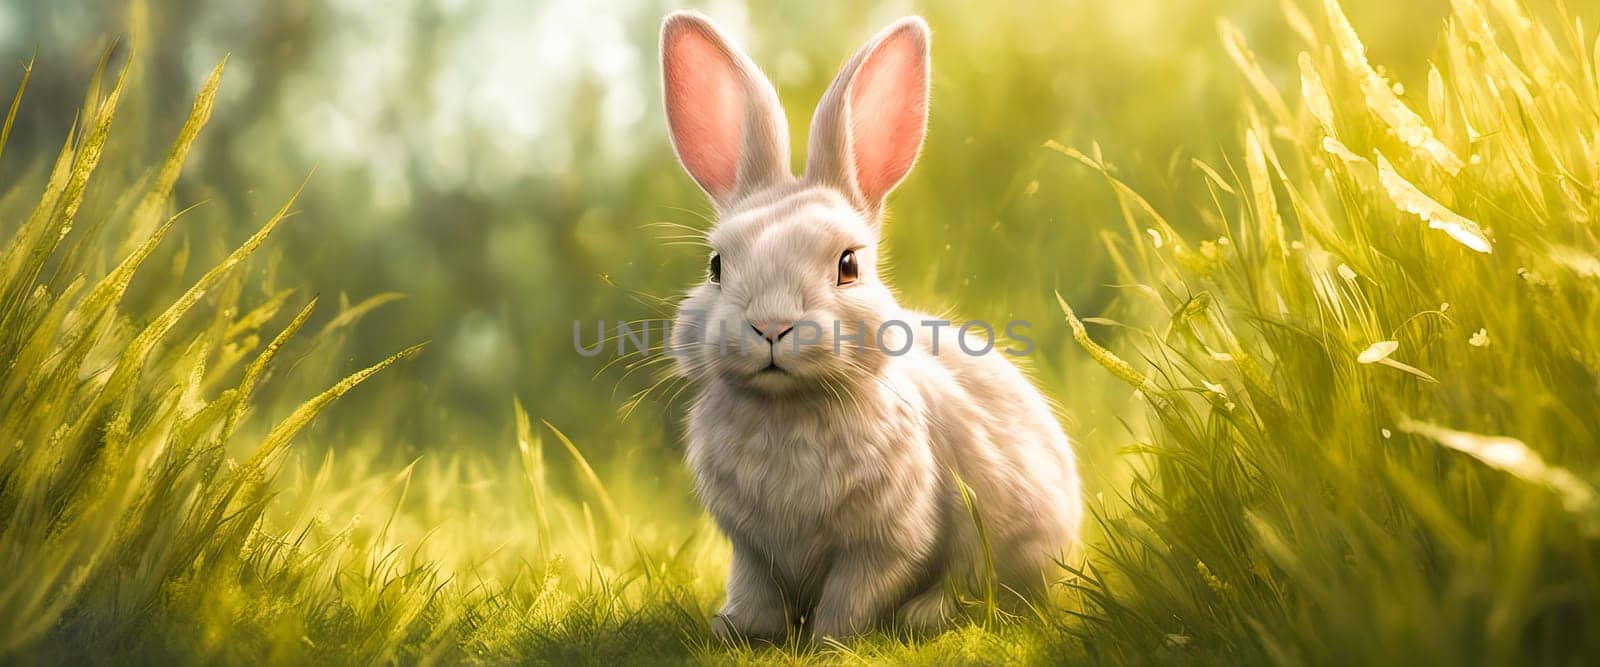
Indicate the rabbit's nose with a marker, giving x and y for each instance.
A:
(771, 330)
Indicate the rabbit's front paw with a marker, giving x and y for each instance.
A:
(731, 626)
(927, 614)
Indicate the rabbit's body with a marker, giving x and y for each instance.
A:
(804, 487)
(833, 459)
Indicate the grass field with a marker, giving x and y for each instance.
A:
(1355, 380)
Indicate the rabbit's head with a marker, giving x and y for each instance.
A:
(792, 299)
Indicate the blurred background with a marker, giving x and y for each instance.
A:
(499, 163)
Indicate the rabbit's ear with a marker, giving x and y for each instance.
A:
(726, 124)
(869, 125)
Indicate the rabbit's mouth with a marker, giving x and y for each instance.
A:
(770, 379)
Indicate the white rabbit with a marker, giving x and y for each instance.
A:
(831, 462)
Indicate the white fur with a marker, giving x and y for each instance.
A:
(835, 479)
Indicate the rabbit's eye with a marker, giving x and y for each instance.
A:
(848, 270)
(716, 268)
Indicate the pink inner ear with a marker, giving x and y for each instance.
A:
(704, 108)
(888, 112)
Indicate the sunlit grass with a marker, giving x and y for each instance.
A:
(1380, 274)
(1369, 362)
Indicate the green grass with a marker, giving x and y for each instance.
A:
(1308, 498)
(1366, 366)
